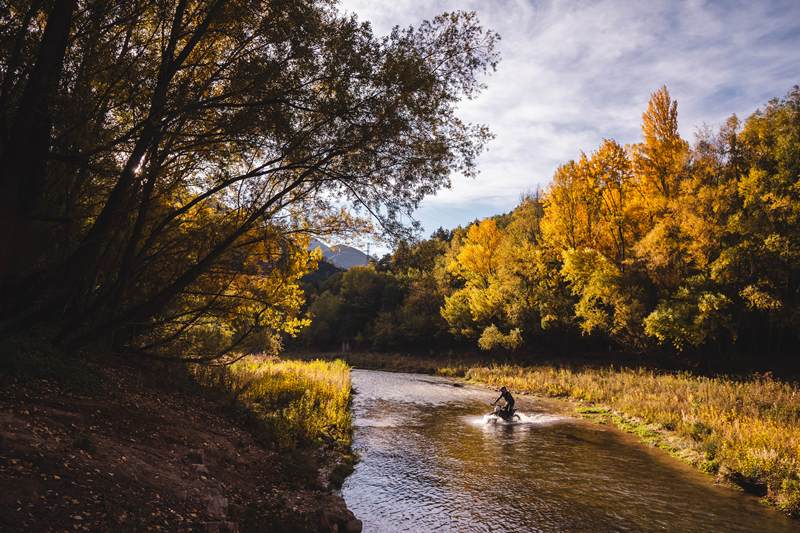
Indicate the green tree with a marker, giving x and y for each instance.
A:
(326, 315)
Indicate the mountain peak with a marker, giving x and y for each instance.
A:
(340, 255)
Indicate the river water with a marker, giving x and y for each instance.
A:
(430, 462)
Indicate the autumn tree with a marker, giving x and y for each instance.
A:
(761, 263)
(661, 156)
(478, 263)
(169, 137)
(619, 213)
(572, 207)
(654, 246)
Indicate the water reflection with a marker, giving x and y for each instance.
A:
(430, 463)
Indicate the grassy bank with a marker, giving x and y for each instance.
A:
(297, 402)
(397, 362)
(747, 431)
(291, 404)
(744, 430)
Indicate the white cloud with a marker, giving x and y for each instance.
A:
(574, 73)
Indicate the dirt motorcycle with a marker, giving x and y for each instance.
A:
(501, 413)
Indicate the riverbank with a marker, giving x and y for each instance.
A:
(745, 431)
(101, 445)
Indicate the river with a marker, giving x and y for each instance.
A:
(430, 462)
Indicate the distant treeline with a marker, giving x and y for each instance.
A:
(656, 245)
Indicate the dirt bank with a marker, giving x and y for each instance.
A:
(130, 449)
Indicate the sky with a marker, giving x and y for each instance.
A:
(575, 72)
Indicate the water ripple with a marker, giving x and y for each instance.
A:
(430, 462)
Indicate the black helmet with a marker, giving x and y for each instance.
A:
(503, 389)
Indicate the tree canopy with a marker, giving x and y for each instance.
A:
(163, 162)
(659, 245)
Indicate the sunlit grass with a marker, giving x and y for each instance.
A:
(398, 362)
(745, 430)
(748, 431)
(296, 401)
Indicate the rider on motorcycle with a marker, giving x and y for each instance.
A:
(505, 395)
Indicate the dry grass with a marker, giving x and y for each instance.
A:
(747, 431)
(295, 401)
(398, 362)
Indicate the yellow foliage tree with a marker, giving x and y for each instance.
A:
(661, 158)
(478, 263)
(572, 206)
(620, 218)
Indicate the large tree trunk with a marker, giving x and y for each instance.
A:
(25, 152)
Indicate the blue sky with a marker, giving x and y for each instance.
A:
(575, 72)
